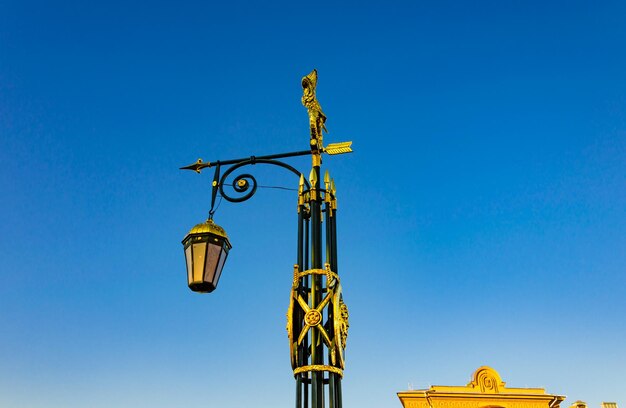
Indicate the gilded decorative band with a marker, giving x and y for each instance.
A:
(308, 368)
(317, 158)
(318, 272)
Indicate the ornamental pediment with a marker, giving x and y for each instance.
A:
(485, 390)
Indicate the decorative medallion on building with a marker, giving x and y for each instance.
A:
(487, 380)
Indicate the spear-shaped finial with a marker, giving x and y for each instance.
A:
(313, 178)
(327, 195)
(333, 192)
(301, 191)
(313, 181)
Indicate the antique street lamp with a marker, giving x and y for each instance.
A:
(317, 317)
(206, 249)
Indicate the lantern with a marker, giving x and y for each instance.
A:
(206, 248)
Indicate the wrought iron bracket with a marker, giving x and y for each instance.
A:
(245, 183)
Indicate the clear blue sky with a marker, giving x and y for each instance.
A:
(482, 215)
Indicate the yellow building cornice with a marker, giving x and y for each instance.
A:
(485, 390)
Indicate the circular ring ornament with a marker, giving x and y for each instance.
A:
(313, 317)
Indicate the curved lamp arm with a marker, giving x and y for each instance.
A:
(246, 181)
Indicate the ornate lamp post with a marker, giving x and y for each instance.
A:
(317, 318)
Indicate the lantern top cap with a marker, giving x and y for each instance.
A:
(210, 227)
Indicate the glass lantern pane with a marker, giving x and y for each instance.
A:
(199, 253)
(189, 264)
(211, 261)
(220, 265)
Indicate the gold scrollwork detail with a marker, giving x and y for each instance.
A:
(333, 335)
(309, 368)
(343, 323)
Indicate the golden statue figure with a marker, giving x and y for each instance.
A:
(317, 118)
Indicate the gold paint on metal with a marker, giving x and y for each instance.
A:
(343, 318)
(301, 192)
(341, 325)
(326, 299)
(296, 279)
(330, 275)
(197, 166)
(303, 304)
(303, 333)
(293, 346)
(289, 327)
(305, 307)
(313, 317)
(316, 159)
(313, 312)
(208, 226)
(317, 119)
(313, 181)
(335, 341)
(305, 329)
(326, 272)
(325, 337)
(316, 367)
(338, 148)
(327, 195)
(242, 183)
(313, 178)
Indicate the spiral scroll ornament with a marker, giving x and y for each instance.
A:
(244, 183)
